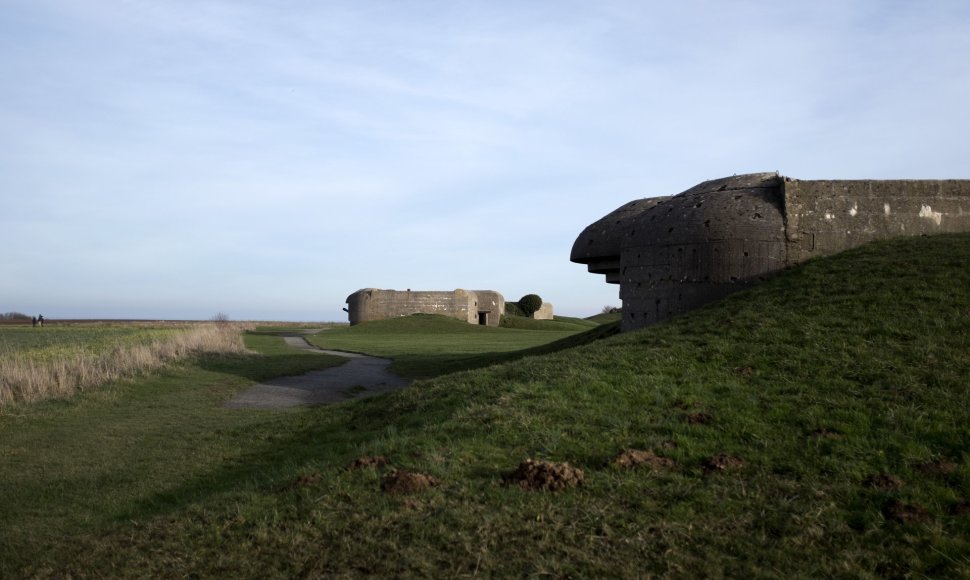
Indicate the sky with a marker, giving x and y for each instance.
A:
(265, 159)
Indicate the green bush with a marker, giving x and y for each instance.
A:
(512, 309)
(529, 304)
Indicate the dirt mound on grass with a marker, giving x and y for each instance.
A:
(368, 461)
(722, 462)
(303, 480)
(700, 418)
(400, 482)
(826, 433)
(905, 513)
(632, 458)
(938, 467)
(960, 508)
(883, 481)
(537, 475)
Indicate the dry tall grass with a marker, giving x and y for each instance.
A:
(25, 380)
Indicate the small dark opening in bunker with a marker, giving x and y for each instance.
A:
(483, 318)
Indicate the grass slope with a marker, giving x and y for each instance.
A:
(558, 323)
(840, 388)
(427, 345)
(605, 317)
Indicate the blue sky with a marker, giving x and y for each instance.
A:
(179, 158)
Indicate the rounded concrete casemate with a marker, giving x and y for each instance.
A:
(672, 254)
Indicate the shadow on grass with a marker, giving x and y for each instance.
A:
(328, 436)
(264, 367)
(427, 366)
(275, 447)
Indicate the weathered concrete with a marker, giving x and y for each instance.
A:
(492, 305)
(544, 312)
(825, 217)
(598, 245)
(672, 254)
(475, 307)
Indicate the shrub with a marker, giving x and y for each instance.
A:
(512, 309)
(529, 304)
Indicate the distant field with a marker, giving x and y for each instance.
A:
(58, 360)
(48, 322)
(52, 341)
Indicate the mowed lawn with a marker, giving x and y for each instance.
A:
(424, 346)
(815, 425)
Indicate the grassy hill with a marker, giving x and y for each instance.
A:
(428, 345)
(557, 323)
(605, 317)
(815, 425)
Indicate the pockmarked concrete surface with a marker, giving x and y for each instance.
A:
(360, 376)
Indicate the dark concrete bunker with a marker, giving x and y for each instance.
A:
(672, 254)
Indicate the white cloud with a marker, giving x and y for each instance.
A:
(187, 150)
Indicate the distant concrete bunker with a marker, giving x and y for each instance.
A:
(672, 254)
(483, 307)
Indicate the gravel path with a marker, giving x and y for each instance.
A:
(360, 376)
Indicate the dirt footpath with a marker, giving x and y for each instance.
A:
(360, 376)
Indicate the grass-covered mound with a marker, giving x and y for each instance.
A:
(813, 426)
(428, 345)
(415, 324)
(605, 317)
(564, 323)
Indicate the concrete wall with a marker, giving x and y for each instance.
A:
(825, 217)
(472, 307)
(673, 254)
(544, 312)
(492, 304)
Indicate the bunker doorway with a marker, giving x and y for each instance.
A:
(483, 318)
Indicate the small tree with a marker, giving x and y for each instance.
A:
(529, 304)
(609, 309)
(220, 317)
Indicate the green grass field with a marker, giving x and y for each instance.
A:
(816, 425)
(57, 362)
(425, 345)
(52, 341)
